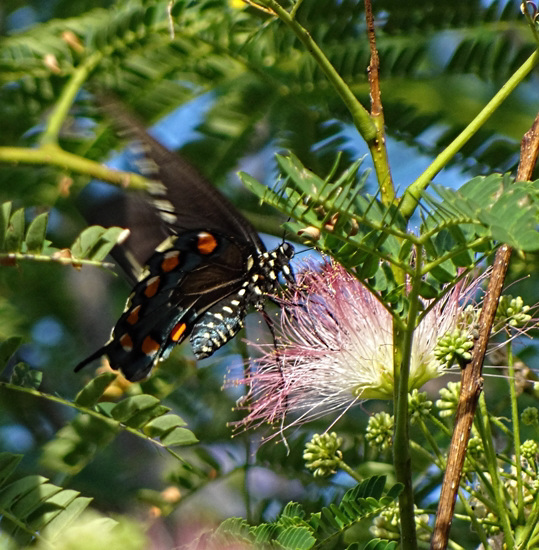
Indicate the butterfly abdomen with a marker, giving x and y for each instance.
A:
(220, 323)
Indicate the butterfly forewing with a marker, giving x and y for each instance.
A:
(184, 198)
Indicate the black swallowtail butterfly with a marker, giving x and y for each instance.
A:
(200, 281)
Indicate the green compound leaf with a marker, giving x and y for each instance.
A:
(93, 391)
(32, 508)
(292, 530)
(35, 235)
(95, 242)
(507, 211)
(298, 538)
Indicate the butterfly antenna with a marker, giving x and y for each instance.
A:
(306, 249)
(284, 232)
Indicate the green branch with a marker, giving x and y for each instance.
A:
(91, 412)
(428, 267)
(53, 155)
(369, 127)
(67, 97)
(402, 357)
(361, 117)
(12, 258)
(413, 193)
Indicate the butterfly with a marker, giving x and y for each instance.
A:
(201, 280)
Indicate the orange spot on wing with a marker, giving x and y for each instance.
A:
(150, 346)
(151, 287)
(132, 318)
(206, 243)
(126, 342)
(177, 332)
(170, 261)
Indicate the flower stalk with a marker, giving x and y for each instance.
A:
(483, 427)
(402, 342)
(516, 432)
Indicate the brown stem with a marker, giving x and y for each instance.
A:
(471, 380)
(374, 65)
(377, 145)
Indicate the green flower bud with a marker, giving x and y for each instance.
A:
(449, 398)
(386, 525)
(322, 454)
(529, 450)
(491, 524)
(530, 416)
(418, 405)
(512, 311)
(476, 451)
(453, 348)
(380, 431)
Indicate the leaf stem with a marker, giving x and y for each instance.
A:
(53, 155)
(472, 515)
(67, 97)
(470, 245)
(516, 432)
(91, 412)
(524, 536)
(351, 472)
(433, 444)
(12, 258)
(7, 514)
(413, 193)
(360, 115)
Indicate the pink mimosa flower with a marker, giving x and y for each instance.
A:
(335, 348)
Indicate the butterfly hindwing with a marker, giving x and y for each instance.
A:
(174, 290)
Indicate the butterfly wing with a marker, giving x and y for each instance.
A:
(183, 198)
(201, 279)
(179, 285)
(135, 212)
